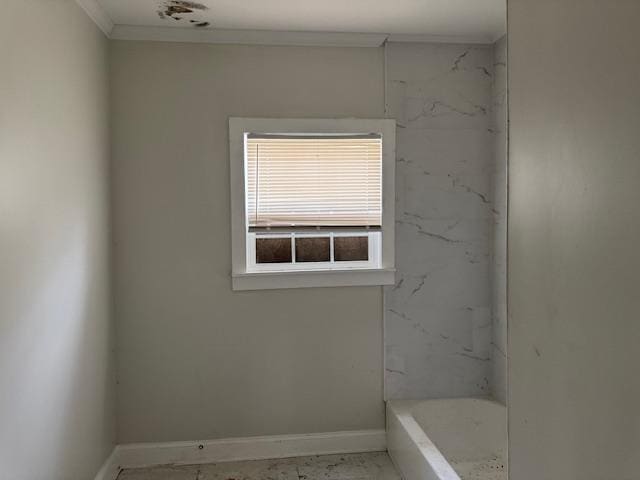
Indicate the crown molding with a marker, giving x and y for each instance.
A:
(247, 37)
(282, 38)
(96, 13)
(424, 38)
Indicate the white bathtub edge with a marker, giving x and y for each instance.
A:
(415, 456)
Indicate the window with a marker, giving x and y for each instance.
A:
(312, 202)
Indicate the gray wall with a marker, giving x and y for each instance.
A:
(499, 230)
(574, 174)
(438, 315)
(56, 359)
(197, 360)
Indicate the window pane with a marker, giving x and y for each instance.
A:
(313, 249)
(273, 250)
(350, 249)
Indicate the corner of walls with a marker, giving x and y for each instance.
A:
(499, 119)
(97, 14)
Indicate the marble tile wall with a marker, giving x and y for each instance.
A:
(499, 197)
(438, 316)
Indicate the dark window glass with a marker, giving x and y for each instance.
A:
(313, 249)
(350, 249)
(273, 250)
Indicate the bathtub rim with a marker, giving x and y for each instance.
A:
(429, 451)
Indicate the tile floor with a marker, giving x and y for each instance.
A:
(355, 466)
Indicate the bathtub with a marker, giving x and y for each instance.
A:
(455, 439)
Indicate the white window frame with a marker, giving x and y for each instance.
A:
(374, 253)
(246, 275)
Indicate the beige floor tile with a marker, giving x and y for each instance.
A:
(160, 473)
(372, 466)
(358, 466)
(279, 469)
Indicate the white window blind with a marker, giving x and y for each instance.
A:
(313, 181)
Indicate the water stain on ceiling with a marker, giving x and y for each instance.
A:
(179, 10)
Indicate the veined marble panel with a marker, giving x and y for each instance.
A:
(438, 316)
(499, 197)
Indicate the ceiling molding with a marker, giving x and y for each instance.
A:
(247, 37)
(282, 38)
(97, 14)
(423, 38)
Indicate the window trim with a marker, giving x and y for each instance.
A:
(242, 279)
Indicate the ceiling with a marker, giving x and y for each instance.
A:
(468, 19)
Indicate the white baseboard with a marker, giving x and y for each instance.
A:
(248, 448)
(110, 468)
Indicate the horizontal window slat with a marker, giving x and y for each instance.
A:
(308, 181)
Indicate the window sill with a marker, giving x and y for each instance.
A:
(322, 278)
